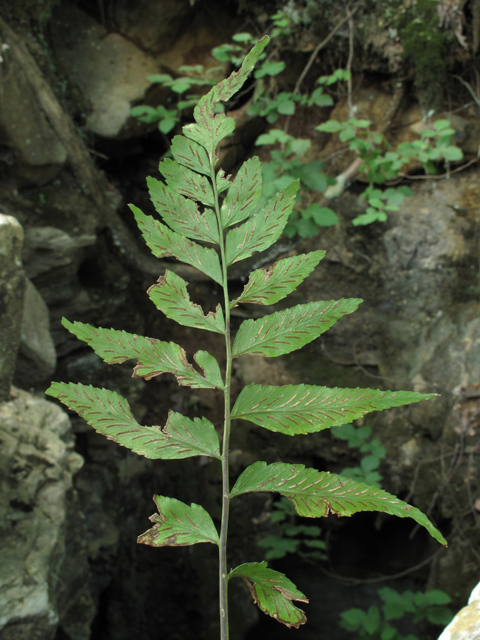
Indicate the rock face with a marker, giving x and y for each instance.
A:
(12, 290)
(466, 624)
(47, 248)
(43, 568)
(110, 70)
(37, 358)
(27, 140)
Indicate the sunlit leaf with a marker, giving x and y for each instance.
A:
(270, 68)
(323, 216)
(162, 242)
(441, 125)
(273, 592)
(109, 414)
(291, 329)
(452, 154)
(305, 227)
(167, 124)
(320, 98)
(144, 113)
(181, 214)
(244, 193)
(371, 215)
(170, 295)
(178, 525)
(331, 126)
(180, 85)
(314, 493)
(263, 228)
(268, 286)
(299, 146)
(303, 408)
(286, 107)
(159, 77)
(154, 357)
(242, 37)
(310, 173)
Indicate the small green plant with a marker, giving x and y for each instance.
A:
(375, 623)
(379, 166)
(359, 437)
(435, 144)
(168, 118)
(306, 546)
(194, 211)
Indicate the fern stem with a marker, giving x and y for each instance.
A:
(223, 579)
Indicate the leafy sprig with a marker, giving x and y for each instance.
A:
(376, 622)
(193, 213)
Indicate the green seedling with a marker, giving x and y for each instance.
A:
(359, 437)
(375, 623)
(300, 539)
(168, 118)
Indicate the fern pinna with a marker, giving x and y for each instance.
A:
(192, 210)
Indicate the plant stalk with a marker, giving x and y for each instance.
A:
(223, 578)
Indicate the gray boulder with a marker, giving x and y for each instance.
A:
(110, 70)
(36, 359)
(466, 624)
(35, 153)
(48, 247)
(12, 289)
(43, 561)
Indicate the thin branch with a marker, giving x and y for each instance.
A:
(321, 45)
(468, 86)
(404, 176)
(349, 66)
(395, 576)
(458, 455)
(416, 473)
(469, 490)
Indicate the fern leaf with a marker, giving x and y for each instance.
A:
(181, 214)
(178, 525)
(190, 154)
(244, 193)
(268, 286)
(273, 592)
(263, 228)
(315, 494)
(109, 414)
(210, 367)
(187, 182)
(303, 408)
(209, 133)
(170, 296)
(291, 329)
(163, 242)
(154, 357)
(211, 128)
(221, 181)
(224, 90)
